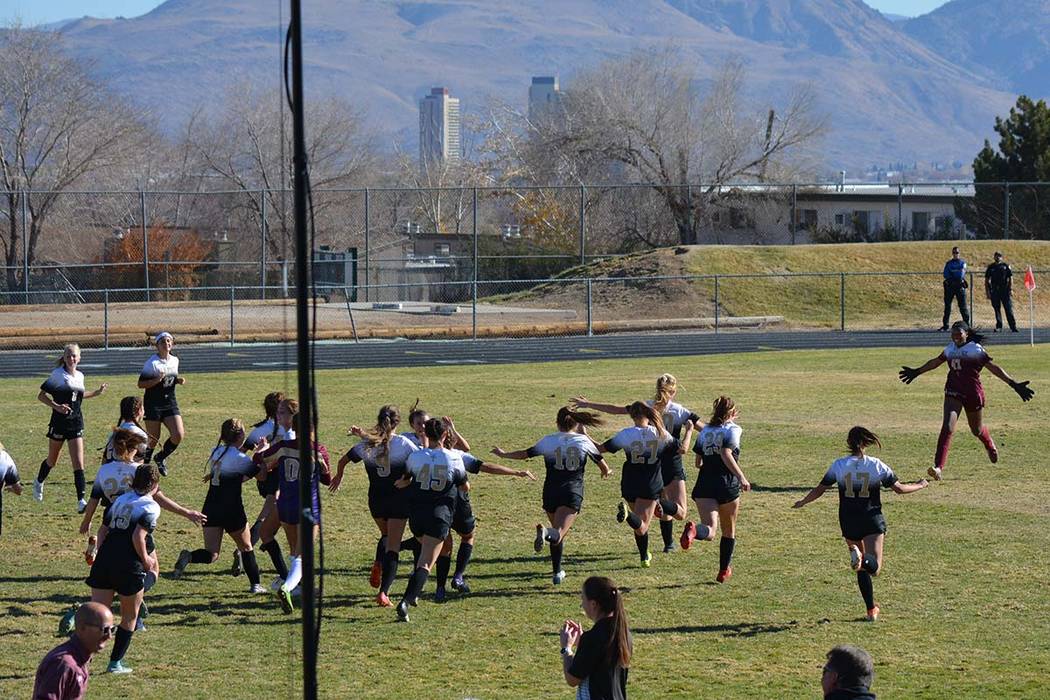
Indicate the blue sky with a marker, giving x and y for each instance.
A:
(43, 11)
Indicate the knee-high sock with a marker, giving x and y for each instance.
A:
(274, 550)
(463, 558)
(634, 521)
(870, 564)
(251, 566)
(668, 507)
(986, 438)
(444, 563)
(254, 532)
(390, 563)
(703, 532)
(120, 644)
(642, 542)
(725, 552)
(412, 545)
(295, 574)
(44, 470)
(81, 484)
(416, 583)
(200, 556)
(866, 588)
(169, 447)
(667, 531)
(380, 548)
(148, 582)
(944, 441)
(148, 456)
(556, 552)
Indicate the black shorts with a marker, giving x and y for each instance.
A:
(65, 430)
(723, 488)
(115, 570)
(435, 521)
(557, 496)
(162, 411)
(393, 506)
(270, 485)
(856, 528)
(463, 514)
(230, 517)
(671, 469)
(636, 482)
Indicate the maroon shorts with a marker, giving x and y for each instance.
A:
(971, 399)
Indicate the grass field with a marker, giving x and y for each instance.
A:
(963, 592)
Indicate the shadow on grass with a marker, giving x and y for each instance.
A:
(42, 579)
(780, 489)
(742, 629)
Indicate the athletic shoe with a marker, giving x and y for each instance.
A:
(460, 584)
(402, 611)
(538, 542)
(688, 535)
(82, 504)
(440, 594)
(91, 551)
(181, 563)
(383, 600)
(284, 597)
(256, 588)
(724, 575)
(161, 466)
(873, 614)
(238, 564)
(143, 610)
(276, 583)
(993, 454)
(558, 578)
(935, 473)
(38, 490)
(66, 623)
(376, 576)
(854, 557)
(621, 512)
(648, 561)
(118, 668)
(140, 626)
(669, 547)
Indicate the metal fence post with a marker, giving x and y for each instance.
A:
(233, 293)
(583, 225)
(145, 242)
(900, 211)
(1006, 210)
(262, 244)
(25, 244)
(794, 212)
(842, 301)
(973, 290)
(368, 265)
(590, 326)
(716, 303)
(105, 320)
(474, 285)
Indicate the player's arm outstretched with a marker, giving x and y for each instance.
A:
(908, 374)
(490, 468)
(813, 495)
(516, 454)
(898, 487)
(1023, 390)
(581, 402)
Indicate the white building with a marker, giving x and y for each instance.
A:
(544, 97)
(439, 128)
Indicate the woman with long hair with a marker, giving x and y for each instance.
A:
(158, 379)
(595, 662)
(63, 392)
(859, 479)
(719, 483)
(641, 481)
(963, 392)
(131, 414)
(565, 454)
(9, 480)
(113, 479)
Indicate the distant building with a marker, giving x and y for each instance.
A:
(439, 128)
(544, 97)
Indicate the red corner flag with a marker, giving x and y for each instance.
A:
(1029, 279)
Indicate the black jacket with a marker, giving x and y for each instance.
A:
(850, 694)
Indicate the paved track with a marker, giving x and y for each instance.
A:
(408, 353)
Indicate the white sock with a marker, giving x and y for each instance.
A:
(295, 574)
(553, 535)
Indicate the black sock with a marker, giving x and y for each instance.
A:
(634, 521)
(416, 583)
(463, 558)
(870, 564)
(667, 532)
(251, 566)
(45, 469)
(166, 451)
(390, 562)
(725, 552)
(643, 545)
(380, 548)
(79, 482)
(147, 583)
(254, 532)
(120, 644)
(867, 590)
(412, 545)
(668, 507)
(148, 457)
(556, 552)
(441, 570)
(274, 550)
(200, 556)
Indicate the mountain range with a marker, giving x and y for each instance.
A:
(925, 89)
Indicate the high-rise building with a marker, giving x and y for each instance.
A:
(544, 97)
(439, 139)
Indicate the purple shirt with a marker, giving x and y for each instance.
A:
(63, 674)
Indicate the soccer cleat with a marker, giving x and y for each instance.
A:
(935, 473)
(65, 623)
(256, 588)
(460, 584)
(724, 575)
(143, 610)
(91, 550)
(284, 597)
(621, 512)
(181, 563)
(873, 614)
(854, 557)
(82, 504)
(402, 611)
(558, 578)
(688, 535)
(162, 467)
(375, 577)
(648, 561)
(538, 542)
(38, 490)
(140, 626)
(440, 594)
(669, 547)
(238, 564)
(118, 668)
(383, 600)
(993, 454)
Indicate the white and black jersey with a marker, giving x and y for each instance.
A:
(644, 449)
(65, 388)
(859, 481)
(436, 475)
(716, 480)
(107, 453)
(564, 455)
(271, 484)
(385, 464)
(112, 481)
(268, 429)
(412, 437)
(8, 477)
(159, 400)
(117, 566)
(228, 468)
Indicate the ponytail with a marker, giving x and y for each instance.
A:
(386, 424)
(723, 410)
(639, 409)
(415, 412)
(435, 430)
(859, 438)
(129, 409)
(609, 598)
(125, 443)
(271, 402)
(568, 419)
(666, 387)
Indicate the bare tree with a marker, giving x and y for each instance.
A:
(58, 127)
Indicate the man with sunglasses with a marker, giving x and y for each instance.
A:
(63, 674)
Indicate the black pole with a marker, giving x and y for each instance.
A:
(302, 332)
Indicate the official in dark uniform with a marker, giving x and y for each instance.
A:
(998, 284)
(955, 288)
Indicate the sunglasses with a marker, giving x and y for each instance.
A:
(107, 630)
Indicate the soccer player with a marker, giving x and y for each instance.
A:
(384, 454)
(859, 479)
(124, 559)
(719, 483)
(565, 454)
(228, 468)
(159, 377)
(63, 392)
(679, 421)
(966, 357)
(284, 458)
(131, 414)
(9, 480)
(641, 481)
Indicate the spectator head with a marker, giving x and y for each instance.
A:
(955, 251)
(94, 626)
(848, 667)
(998, 256)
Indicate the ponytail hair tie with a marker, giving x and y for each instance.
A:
(615, 591)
